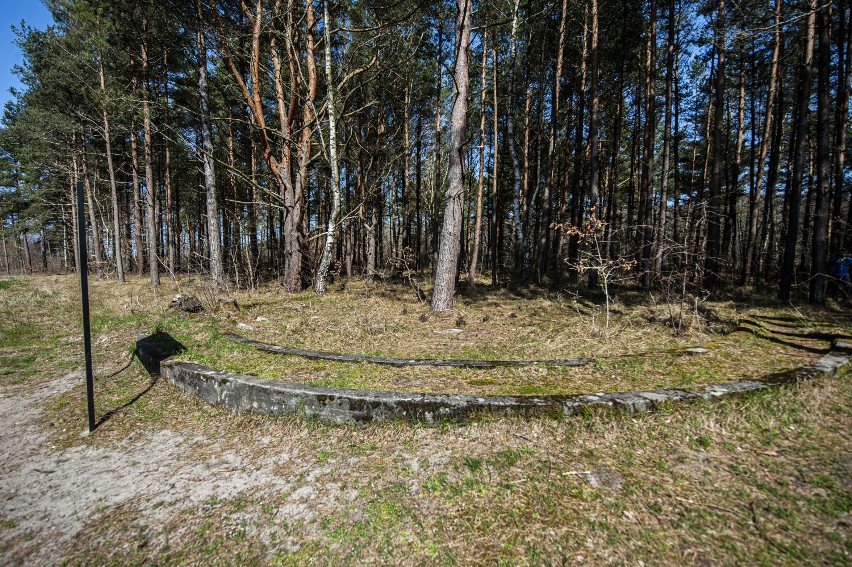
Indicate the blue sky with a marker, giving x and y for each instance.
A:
(12, 12)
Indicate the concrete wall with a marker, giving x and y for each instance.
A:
(275, 397)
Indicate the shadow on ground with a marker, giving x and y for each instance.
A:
(151, 351)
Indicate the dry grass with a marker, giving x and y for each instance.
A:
(639, 351)
(763, 479)
(385, 319)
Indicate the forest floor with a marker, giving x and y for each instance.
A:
(764, 478)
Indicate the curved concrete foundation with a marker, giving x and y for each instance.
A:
(340, 405)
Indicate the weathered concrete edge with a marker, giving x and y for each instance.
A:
(243, 393)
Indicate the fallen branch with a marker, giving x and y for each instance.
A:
(763, 533)
(458, 363)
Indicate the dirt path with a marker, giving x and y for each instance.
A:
(47, 495)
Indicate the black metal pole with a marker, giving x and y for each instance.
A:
(83, 270)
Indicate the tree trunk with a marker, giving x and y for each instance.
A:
(72, 194)
(819, 249)
(676, 180)
(594, 150)
(217, 275)
(576, 186)
(294, 202)
(525, 171)
(406, 181)
(766, 251)
(418, 180)
(116, 224)
(44, 250)
(841, 125)
(517, 214)
(167, 182)
(711, 262)
(254, 250)
(292, 191)
(349, 234)
(150, 185)
(754, 197)
(550, 176)
(233, 232)
(495, 196)
(97, 243)
(667, 140)
(477, 225)
(729, 237)
(615, 148)
(646, 190)
(328, 250)
(795, 188)
(5, 250)
(445, 271)
(28, 259)
(138, 250)
(437, 183)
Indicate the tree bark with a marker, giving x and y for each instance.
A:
(235, 232)
(44, 249)
(294, 202)
(576, 187)
(445, 270)
(525, 171)
(28, 259)
(676, 178)
(406, 181)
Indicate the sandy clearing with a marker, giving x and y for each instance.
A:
(47, 495)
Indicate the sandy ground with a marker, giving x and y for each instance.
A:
(47, 494)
